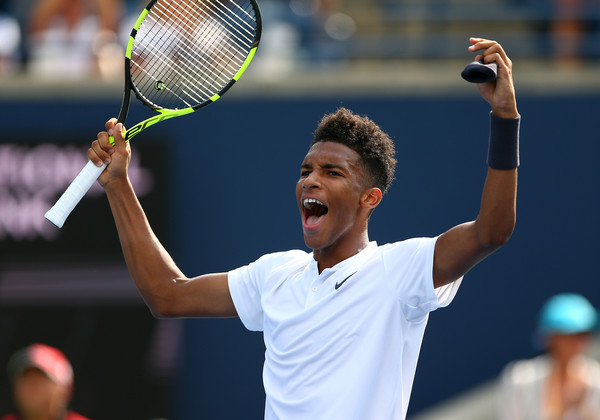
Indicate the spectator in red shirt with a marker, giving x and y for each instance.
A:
(42, 380)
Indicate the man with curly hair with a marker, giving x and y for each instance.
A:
(343, 324)
(362, 135)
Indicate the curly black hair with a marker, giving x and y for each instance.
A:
(362, 135)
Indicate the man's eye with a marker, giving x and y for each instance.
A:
(305, 173)
(334, 173)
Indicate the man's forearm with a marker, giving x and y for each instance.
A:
(497, 216)
(149, 264)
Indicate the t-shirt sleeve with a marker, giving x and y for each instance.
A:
(247, 283)
(245, 287)
(409, 265)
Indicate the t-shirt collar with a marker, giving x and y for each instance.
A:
(348, 263)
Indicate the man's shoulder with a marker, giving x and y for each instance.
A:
(284, 257)
(407, 246)
(276, 262)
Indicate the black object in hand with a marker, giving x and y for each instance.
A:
(478, 72)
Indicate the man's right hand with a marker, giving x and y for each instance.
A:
(117, 157)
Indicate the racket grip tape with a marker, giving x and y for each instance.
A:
(73, 195)
(479, 72)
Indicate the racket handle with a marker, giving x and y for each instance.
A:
(479, 72)
(73, 195)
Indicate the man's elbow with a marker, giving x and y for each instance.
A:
(498, 240)
(161, 308)
(498, 235)
(158, 313)
(164, 311)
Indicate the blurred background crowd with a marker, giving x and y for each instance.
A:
(78, 38)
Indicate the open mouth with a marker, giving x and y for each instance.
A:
(314, 211)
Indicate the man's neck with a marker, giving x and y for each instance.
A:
(329, 257)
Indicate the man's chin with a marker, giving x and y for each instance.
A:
(312, 242)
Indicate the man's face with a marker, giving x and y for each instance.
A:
(37, 394)
(328, 193)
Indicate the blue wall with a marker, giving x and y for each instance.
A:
(234, 166)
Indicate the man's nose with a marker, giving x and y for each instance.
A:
(311, 181)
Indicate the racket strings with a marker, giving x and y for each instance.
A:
(228, 50)
(243, 32)
(187, 64)
(189, 51)
(212, 28)
(178, 72)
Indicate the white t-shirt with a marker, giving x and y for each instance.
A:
(342, 344)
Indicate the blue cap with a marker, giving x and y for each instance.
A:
(567, 313)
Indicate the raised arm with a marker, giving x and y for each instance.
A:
(463, 246)
(167, 292)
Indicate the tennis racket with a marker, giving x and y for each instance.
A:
(181, 55)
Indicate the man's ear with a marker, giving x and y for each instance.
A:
(371, 198)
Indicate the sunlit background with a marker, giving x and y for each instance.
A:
(218, 188)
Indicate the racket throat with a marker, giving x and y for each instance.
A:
(164, 115)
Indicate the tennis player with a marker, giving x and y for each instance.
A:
(343, 324)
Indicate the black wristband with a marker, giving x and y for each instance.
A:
(503, 148)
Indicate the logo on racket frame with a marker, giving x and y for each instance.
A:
(155, 119)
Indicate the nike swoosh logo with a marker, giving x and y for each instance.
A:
(338, 285)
